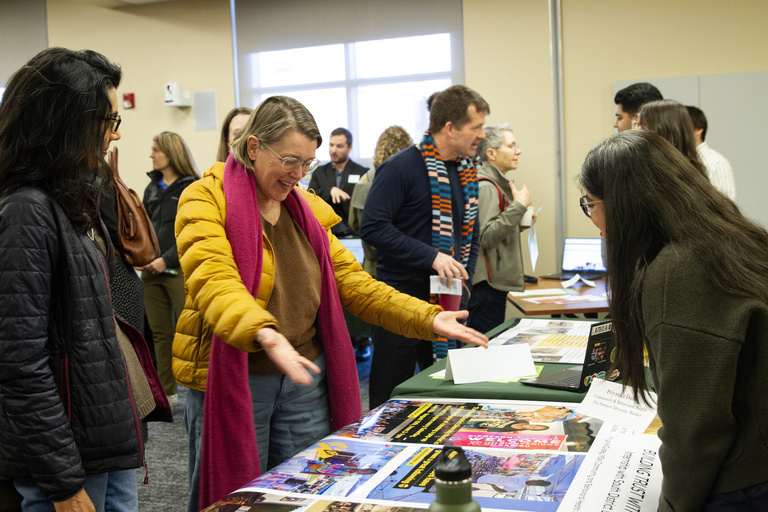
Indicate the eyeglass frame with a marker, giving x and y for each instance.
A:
(116, 119)
(587, 205)
(313, 163)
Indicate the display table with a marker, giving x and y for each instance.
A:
(525, 456)
(554, 307)
(423, 386)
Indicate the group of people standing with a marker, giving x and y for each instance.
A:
(261, 340)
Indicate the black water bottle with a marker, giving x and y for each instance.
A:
(453, 482)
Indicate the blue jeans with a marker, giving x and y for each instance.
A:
(289, 417)
(115, 491)
(749, 499)
(277, 404)
(193, 422)
(122, 492)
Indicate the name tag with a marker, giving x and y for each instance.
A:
(353, 178)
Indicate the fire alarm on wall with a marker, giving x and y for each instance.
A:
(128, 101)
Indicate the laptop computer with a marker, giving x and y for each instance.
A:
(601, 353)
(583, 256)
(355, 246)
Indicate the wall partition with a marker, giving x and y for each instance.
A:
(23, 33)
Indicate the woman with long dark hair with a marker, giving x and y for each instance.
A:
(75, 379)
(689, 281)
(670, 120)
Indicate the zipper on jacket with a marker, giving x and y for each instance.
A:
(64, 385)
(136, 419)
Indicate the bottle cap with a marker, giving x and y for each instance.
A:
(452, 465)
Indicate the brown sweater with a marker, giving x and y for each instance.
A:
(296, 294)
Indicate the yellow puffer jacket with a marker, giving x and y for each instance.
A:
(218, 302)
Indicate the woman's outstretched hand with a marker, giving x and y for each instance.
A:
(281, 352)
(446, 324)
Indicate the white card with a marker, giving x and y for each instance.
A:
(353, 178)
(435, 286)
(575, 279)
(605, 400)
(467, 365)
(533, 247)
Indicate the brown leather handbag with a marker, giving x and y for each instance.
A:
(140, 245)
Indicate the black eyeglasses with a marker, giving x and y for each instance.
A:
(116, 120)
(587, 205)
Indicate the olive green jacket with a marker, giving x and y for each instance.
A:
(500, 258)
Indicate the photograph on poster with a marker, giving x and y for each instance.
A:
(532, 427)
(550, 341)
(500, 479)
(243, 501)
(333, 466)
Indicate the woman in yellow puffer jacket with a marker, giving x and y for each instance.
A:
(262, 336)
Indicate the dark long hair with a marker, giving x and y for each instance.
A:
(53, 127)
(652, 195)
(671, 120)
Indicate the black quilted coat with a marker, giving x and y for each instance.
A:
(65, 403)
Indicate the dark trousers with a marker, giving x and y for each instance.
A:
(394, 356)
(487, 307)
(754, 499)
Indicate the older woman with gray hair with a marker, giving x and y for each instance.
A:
(502, 207)
(262, 335)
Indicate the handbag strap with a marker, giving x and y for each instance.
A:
(502, 204)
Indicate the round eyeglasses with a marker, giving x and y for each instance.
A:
(587, 205)
(290, 163)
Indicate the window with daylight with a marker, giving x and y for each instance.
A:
(364, 86)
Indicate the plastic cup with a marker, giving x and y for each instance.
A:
(449, 302)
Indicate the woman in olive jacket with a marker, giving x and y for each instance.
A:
(689, 283)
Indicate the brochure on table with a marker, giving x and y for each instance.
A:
(550, 340)
(525, 456)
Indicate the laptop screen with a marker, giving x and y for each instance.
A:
(583, 255)
(355, 246)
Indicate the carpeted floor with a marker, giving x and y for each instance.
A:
(166, 456)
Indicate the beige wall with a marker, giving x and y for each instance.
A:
(506, 48)
(607, 40)
(507, 60)
(188, 42)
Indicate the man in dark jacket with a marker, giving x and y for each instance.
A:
(335, 181)
(420, 215)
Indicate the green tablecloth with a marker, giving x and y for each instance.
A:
(422, 385)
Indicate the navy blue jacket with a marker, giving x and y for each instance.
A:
(397, 218)
(161, 206)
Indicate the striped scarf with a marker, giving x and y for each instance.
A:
(442, 215)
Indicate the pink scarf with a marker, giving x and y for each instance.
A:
(229, 456)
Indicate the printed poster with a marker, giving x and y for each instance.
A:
(551, 341)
